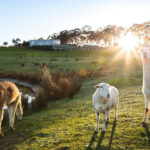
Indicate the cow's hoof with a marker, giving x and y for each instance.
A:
(96, 130)
(103, 129)
(12, 129)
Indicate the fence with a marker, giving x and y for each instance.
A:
(64, 47)
(73, 48)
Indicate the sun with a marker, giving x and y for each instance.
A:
(128, 42)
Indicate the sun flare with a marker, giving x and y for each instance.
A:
(128, 42)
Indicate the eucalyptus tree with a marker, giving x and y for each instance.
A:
(5, 43)
(16, 41)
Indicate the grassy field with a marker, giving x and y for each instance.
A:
(11, 60)
(69, 123)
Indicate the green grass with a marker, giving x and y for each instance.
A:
(69, 123)
(11, 59)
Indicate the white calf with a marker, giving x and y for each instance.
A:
(105, 98)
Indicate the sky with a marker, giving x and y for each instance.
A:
(32, 19)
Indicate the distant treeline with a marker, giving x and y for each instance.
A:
(104, 37)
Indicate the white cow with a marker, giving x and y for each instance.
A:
(145, 55)
(105, 98)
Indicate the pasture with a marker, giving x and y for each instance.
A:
(69, 123)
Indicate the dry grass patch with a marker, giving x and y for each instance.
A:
(54, 87)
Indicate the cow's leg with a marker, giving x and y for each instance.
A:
(116, 113)
(108, 116)
(97, 121)
(1, 119)
(147, 103)
(12, 111)
(104, 121)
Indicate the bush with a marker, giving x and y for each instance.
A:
(60, 85)
(55, 86)
(22, 64)
(41, 100)
(24, 103)
(36, 64)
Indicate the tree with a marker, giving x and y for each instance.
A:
(54, 36)
(142, 31)
(41, 38)
(110, 34)
(86, 29)
(16, 41)
(63, 36)
(95, 37)
(25, 44)
(107, 36)
(74, 36)
(5, 43)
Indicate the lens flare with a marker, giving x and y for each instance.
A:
(128, 42)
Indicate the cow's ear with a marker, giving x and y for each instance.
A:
(97, 86)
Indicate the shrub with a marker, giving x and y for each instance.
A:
(24, 103)
(59, 85)
(36, 64)
(77, 59)
(95, 63)
(104, 68)
(22, 64)
(53, 59)
(55, 86)
(41, 100)
(83, 73)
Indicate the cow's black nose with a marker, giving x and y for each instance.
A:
(108, 95)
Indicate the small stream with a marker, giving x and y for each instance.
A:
(34, 87)
(21, 85)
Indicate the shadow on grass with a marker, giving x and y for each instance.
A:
(147, 132)
(92, 140)
(21, 133)
(99, 141)
(112, 134)
(99, 146)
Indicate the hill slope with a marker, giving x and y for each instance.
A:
(70, 123)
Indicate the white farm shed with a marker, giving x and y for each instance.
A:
(43, 42)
